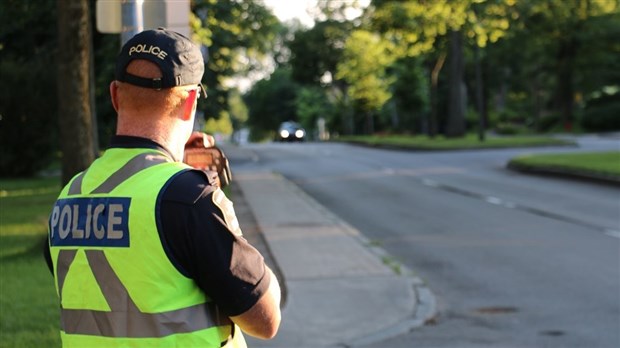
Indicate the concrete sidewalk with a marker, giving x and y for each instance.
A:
(341, 291)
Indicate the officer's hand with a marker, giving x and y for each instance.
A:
(200, 140)
(201, 153)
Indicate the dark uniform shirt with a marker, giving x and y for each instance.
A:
(201, 237)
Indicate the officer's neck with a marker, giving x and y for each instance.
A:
(167, 134)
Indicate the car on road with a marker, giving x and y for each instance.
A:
(291, 131)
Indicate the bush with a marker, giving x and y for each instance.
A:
(549, 122)
(510, 116)
(602, 114)
(510, 129)
(472, 119)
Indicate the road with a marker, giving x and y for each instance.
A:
(514, 260)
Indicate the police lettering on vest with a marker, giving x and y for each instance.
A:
(98, 222)
(154, 50)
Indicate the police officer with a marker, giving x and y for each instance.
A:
(145, 250)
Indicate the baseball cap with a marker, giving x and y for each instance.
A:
(179, 59)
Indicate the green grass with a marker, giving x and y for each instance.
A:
(29, 315)
(594, 163)
(423, 142)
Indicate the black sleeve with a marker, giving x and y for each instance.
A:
(47, 256)
(204, 244)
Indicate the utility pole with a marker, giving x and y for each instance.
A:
(132, 19)
(129, 17)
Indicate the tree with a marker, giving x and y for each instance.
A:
(238, 109)
(311, 105)
(417, 27)
(271, 102)
(364, 64)
(239, 34)
(567, 29)
(457, 103)
(339, 11)
(410, 95)
(316, 52)
(75, 105)
(524, 69)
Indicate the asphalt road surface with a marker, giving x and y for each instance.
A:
(514, 260)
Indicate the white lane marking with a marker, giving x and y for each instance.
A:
(613, 233)
(493, 200)
(510, 205)
(430, 183)
(389, 171)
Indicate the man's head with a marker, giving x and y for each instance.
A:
(158, 74)
(180, 61)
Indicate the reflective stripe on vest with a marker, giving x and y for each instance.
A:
(133, 166)
(125, 319)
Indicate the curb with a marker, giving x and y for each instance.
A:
(565, 172)
(425, 312)
(426, 305)
(418, 306)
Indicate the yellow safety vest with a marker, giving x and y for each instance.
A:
(116, 285)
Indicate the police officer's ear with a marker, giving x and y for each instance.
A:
(190, 104)
(114, 94)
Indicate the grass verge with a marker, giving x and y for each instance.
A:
(29, 315)
(596, 165)
(470, 141)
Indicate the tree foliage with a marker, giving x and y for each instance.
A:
(526, 62)
(363, 67)
(574, 42)
(271, 102)
(316, 52)
(421, 27)
(311, 105)
(398, 68)
(238, 34)
(410, 96)
(417, 25)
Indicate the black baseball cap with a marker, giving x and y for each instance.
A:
(179, 59)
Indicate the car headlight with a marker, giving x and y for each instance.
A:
(284, 133)
(299, 133)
